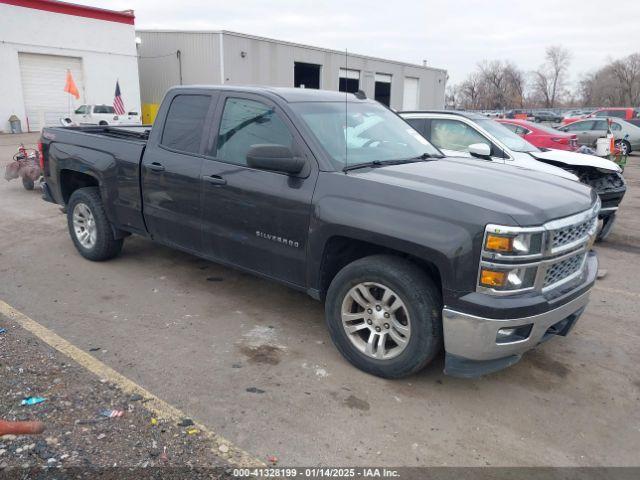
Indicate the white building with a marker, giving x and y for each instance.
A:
(41, 39)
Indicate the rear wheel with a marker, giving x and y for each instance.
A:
(384, 316)
(89, 227)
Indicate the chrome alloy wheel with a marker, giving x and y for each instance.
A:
(376, 320)
(84, 225)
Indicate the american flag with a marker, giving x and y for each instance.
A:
(118, 106)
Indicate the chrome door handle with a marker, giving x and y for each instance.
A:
(214, 179)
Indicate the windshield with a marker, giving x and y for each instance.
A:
(372, 133)
(503, 134)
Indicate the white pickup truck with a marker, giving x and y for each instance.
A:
(102, 115)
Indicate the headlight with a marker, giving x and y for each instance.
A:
(507, 278)
(512, 243)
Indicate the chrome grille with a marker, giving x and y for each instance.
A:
(563, 269)
(570, 234)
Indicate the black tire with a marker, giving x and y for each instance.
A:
(102, 123)
(420, 295)
(27, 183)
(624, 143)
(105, 246)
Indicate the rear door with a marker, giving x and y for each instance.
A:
(256, 219)
(583, 131)
(599, 130)
(171, 170)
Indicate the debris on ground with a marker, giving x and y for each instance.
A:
(601, 273)
(112, 413)
(78, 432)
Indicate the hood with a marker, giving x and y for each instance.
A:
(529, 197)
(577, 159)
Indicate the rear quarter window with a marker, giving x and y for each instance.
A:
(184, 126)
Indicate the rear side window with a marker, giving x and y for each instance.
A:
(600, 125)
(103, 109)
(580, 126)
(246, 123)
(185, 123)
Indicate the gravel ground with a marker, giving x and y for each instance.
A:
(78, 437)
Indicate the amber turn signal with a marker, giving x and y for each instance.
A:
(492, 278)
(498, 243)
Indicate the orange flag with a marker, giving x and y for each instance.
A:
(70, 86)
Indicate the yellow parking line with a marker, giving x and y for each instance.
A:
(615, 290)
(156, 406)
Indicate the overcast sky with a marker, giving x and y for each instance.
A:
(454, 35)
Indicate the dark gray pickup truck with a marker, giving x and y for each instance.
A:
(335, 195)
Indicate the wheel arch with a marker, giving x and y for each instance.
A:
(339, 250)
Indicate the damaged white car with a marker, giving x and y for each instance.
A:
(467, 134)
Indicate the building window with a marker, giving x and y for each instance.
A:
(306, 75)
(349, 80)
(382, 92)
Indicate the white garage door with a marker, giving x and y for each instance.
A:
(43, 79)
(410, 97)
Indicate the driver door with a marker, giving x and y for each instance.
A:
(454, 137)
(256, 219)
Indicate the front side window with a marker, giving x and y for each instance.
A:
(185, 123)
(615, 127)
(361, 132)
(246, 123)
(454, 135)
(81, 110)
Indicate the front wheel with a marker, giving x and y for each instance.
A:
(384, 316)
(89, 227)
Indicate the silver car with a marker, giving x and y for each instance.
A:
(590, 129)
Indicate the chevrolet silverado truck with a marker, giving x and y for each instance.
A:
(333, 194)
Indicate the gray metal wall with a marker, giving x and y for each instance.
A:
(267, 62)
(160, 68)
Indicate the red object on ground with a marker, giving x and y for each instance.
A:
(542, 136)
(20, 428)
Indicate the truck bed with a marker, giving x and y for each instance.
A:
(112, 152)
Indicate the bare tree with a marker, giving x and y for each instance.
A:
(550, 79)
(627, 73)
(470, 92)
(494, 78)
(516, 85)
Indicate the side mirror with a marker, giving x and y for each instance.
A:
(276, 158)
(480, 150)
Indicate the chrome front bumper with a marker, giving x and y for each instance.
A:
(474, 338)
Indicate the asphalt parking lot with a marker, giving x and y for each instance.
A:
(253, 361)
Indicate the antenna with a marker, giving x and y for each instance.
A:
(346, 118)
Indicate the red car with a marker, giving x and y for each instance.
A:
(541, 136)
